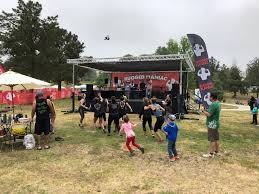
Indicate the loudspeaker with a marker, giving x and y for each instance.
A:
(89, 92)
(106, 80)
(116, 79)
(175, 90)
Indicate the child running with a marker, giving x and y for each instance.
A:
(171, 131)
(146, 112)
(127, 127)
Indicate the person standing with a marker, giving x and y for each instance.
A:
(43, 108)
(254, 113)
(149, 89)
(158, 112)
(123, 107)
(113, 109)
(251, 102)
(146, 114)
(213, 123)
(168, 105)
(171, 131)
(82, 108)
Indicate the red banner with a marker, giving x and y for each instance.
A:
(160, 80)
(27, 96)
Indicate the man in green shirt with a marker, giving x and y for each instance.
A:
(212, 122)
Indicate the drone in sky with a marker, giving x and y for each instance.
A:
(107, 37)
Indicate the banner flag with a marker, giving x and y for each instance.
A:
(202, 68)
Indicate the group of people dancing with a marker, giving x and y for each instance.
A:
(117, 111)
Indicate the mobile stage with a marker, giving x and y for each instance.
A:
(168, 74)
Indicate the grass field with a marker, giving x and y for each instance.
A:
(90, 162)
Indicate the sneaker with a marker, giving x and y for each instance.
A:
(172, 159)
(80, 125)
(177, 157)
(109, 134)
(217, 154)
(209, 155)
(142, 150)
(104, 131)
(153, 135)
(131, 154)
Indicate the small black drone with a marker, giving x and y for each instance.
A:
(107, 37)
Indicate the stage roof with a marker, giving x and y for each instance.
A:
(150, 63)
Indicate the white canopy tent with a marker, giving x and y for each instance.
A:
(11, 80)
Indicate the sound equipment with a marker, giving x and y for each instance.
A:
(175, 90)
(116, 79)
(89, 92)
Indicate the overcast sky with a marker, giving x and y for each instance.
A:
(230, 28)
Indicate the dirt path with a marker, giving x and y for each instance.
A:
(238, 107)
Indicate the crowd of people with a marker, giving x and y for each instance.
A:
(118, 111)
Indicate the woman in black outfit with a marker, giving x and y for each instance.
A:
(82, 108)
(123, 106)
(98, 112)
(146, 111)
(113, 109)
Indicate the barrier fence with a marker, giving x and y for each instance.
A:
(26, 96)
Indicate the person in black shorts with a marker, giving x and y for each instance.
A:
(158, 112)
(146, 111)
(113, 109)
(104, 108)
(123, 106)
(82, 108)
(98, 112)
(43, 108)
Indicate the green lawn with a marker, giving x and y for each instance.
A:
(90, 162)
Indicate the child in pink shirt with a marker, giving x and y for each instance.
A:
(130, 135)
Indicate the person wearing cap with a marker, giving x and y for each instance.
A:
(43, 108)
(171, 131)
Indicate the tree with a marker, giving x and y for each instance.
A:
(161, 50)
(235, 80)
(252, 72)
(38, 47)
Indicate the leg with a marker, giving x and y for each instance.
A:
(217, 146)
(95, 119)
(128, 140)
(46, 141)
(117, 123)
(170, 149)
(82, 115)
(110, 119)
(134, 142)
(150, 125)
(212, 147)
(101, 122)
(104, 120)
(256, 119)
(174, 149)
(37, 137)
(144, 121)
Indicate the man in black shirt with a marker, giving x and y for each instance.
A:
(42, 107)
